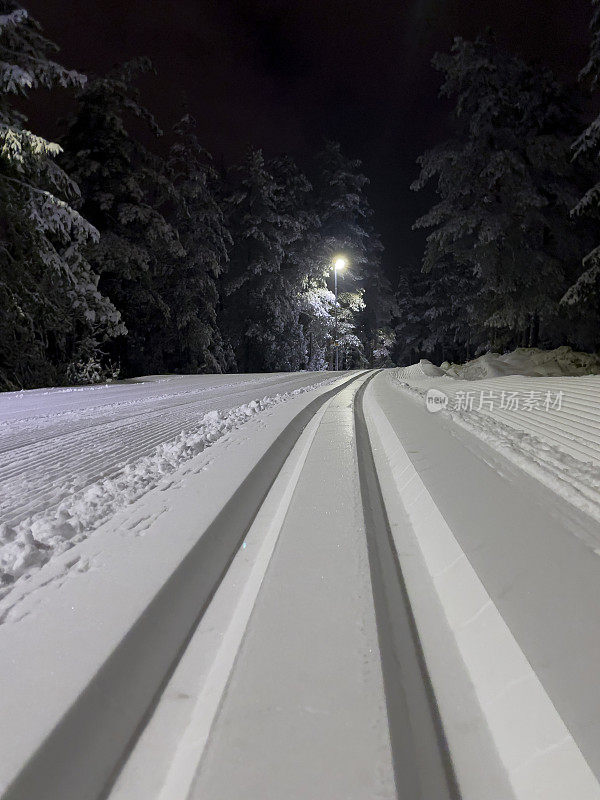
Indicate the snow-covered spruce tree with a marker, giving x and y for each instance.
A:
(449, 302)
(383, 347)
(302, 268)
(124, 187)
(374, 326)
(269, 264)
(351, 345)
(345, 227)
(506, 184)
(584, 294)
(51, 312)
(193, 342)
(434, 314)
(317, 319)
(408, 320)
(342, 206)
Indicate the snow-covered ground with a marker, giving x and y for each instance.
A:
(71, 458)
(241, 577)
(516, 573)
(562, 362)
(538, 408)
(96, 629)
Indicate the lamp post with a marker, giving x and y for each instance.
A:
(339, 264)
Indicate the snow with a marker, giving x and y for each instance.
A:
(540, 756)
(306, 697)
(466, 517)
(310, 657)
(421, 370)
(71, 458)
(549, 426)
(119, 495)
(163, 762)
(123, 601)
(561, 362)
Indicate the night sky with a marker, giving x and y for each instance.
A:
(283, 75)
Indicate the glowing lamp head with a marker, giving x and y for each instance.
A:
(339, 264)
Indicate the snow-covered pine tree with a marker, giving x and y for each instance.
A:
(124, 187)
(584, 294)
(345, 227)
(270, 223)
(317, 319)
(437, 314)
(506, 184)
(374, 321)
(301, 268)
(342, 206)
(449, 303)
(351, 345)
(383, 348)
(408, 320)
(52, 315)
(434, 313)
(194, 342)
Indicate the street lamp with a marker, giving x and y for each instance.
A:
(339, 264)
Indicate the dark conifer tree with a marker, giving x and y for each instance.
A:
(53, 318)
(269, 223)
(345, 228)
(583, 297)
(506, 184)
(124, 186)
(192, 339)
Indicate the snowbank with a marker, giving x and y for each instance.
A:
(561, 362)
(423, 369)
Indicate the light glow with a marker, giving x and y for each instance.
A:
(339, 264)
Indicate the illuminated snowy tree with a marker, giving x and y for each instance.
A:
(53, 315)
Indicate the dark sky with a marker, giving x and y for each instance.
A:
(283, 74)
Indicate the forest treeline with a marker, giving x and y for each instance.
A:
(118, 257)
(125, 250)
(512, 256)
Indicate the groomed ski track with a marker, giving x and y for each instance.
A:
(302, 648)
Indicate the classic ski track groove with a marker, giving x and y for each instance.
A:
(422, 765)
